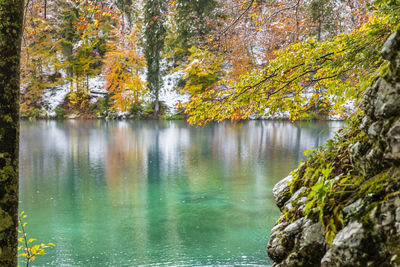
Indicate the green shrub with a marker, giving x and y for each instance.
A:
(136, 109)
(60, 113)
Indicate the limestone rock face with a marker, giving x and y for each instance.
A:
(281, 191)
(369, 234)
(393, 137)
(387, 99)
(381, 104)
(345, 246)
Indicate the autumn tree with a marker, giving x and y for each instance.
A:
(341, 66)
(40, 61)
(123, 65)
(262, 39)
(202, 72)
(155, 32)
(11, 20)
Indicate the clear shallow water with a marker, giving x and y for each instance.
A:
(157, 193)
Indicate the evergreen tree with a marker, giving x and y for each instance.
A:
(155, 32)
(322, 15)
(68, 36)
(11, 20)
(193, 21)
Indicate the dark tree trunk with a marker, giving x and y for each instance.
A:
(11, 17)
(155, 33)
(45, 9)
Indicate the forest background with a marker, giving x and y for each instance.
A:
(203, 60)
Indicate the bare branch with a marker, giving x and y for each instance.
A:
(237, 19)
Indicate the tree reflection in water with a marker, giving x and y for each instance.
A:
(153, 192)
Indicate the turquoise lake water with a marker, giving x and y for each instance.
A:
(157, 193)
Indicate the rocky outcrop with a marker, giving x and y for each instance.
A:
(342, 206)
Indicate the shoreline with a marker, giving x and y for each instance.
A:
(170, 119)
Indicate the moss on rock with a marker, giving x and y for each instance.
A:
(351, 187)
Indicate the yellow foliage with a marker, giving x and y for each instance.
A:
(202, 72)
(29, 253)
(339, 68)
(123, 65)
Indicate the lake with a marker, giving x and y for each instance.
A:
(157, 193)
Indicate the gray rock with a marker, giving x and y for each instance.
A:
(313, 234)
(303, 235)
(372, 214)
(369, 99)
(365, 123)
(278, 246)
(357, 156)
(293, 260)
(301, 204)
(281, 191)
(373, 160)
(293, 200)
(387, 102)
(303, 200)
(375, 129)
(356, 149)
(294, 227)
(344, 246)
(397, 227)
(393, 138)
(391, 46)
(398, 214)
(387, 216)
(353, 207)
(278, 227)
(277, 249)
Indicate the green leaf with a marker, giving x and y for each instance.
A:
(309, 151)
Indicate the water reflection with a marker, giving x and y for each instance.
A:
(127, 193)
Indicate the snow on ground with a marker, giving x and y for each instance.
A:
(96, 85)
(53, 97)
(169, 95)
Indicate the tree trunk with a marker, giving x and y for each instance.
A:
(11, 17)
(45, 9)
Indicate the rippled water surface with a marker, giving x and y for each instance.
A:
(157, 193)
